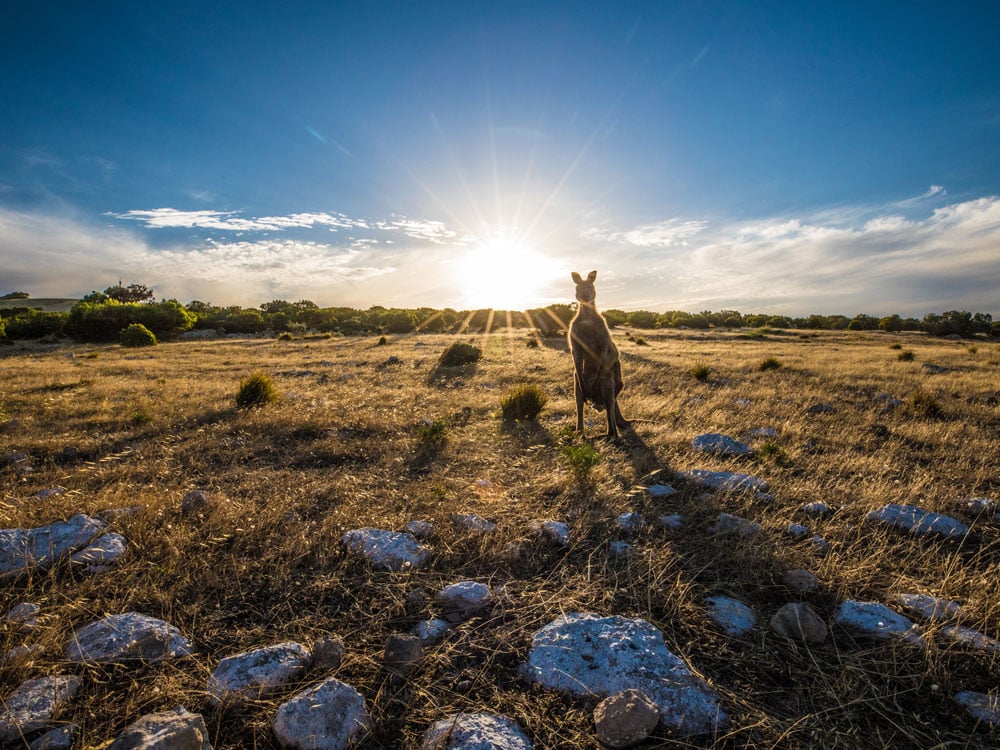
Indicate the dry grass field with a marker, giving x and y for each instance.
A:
(348, 445)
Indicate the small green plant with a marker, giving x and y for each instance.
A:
(524, 402)
(906, 355)
(382, 341)
(971, 349)
(701, 373)
(773, 453)
(897, 345)
(771, 363)
(580, 459)
(141, 416)
(923, 404)
(640, 341)
(256, 390)
(459, 355)
(285, 336)
(137, 335)
(432, 434)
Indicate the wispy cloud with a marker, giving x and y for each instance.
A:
(668, 233)
(160, 218)
(436, 232)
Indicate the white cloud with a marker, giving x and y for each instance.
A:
(161, 218)
(669, 233)
(436, 232)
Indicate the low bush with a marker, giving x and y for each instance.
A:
(701, 373)
(459, 355)
(256, 390)
(771, 363)
(580, 459)
(137, 335)
(906, 355)
(523, 403)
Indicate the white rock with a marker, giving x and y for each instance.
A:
(817, 509)
(22, 655)
(106, 549)
(819, 544)
(661, 490)
(258, 672)
(976, 505)
(481, 731)
(127, 637)
(799, 622)
(422, 530)
(42, 546)
(387, 550)
(720, 445)
(24, 614)
(472, 522)
(796, 530)
(762, 432)
(177, 729)
(33, 705)
(629, 522)
(585, 654)
(673, 521)
(328, 652)
(733, 616)
(328, 716)
(51, 492)
(554, 531)
(727, 481)
(56, 739)
(431, 631)
(877, 620)
(727, 523)
(982, 707)
(930, 607)
(970, 637)
(462, 600)
(919, 521)
(625, 719)
(618, 548)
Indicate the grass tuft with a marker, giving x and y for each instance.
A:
(524, 402)
(256, 390)
(906, 355)
(460, 354)
(701, 373)
(771, 363)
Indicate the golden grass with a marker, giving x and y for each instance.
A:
(344, 448)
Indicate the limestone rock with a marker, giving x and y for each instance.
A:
(629, 523)
(60, 738)
(403, 653)
(421, 530)
(328, 652)
(104, 550)
(819, 544)
(481, 731)
(472, 522)
(386, 550)
(585, 654)
(24, 614)
(733, 616)
(762, 432)
(431, 631)
(796, 530)
(327, 716)
(820, 409)
(817, 509)
(127, 637)
(42, 546)
(618, 548)
(800, 580)
(51, 492)
(661, 491)
(554, 531)
(258, 672)
(177, 729)
(981, 707)
(720, 445)
(626, 718)
(799, 622)
(919, 521)
(727, 523)
(462, 600)
(726, 481)
(673, 521)
(973, 638)
(930, 607)
(33, 705)
(194, 501)
(877, 620)
(976, 505)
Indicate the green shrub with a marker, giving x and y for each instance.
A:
(906, 355)
(432, 434)
(923, 404)
(772, 452)
(285, 336)
(459, 354)
(382, 341)
(771, 363)
(141, 417)
(137, 335)
(580, 459)
(104, 320)
(640, 341)
(897, 345)
(27, 323)
(701, 373)
(524, 402)
(256, 390)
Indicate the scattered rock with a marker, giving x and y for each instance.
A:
(930, 607)
(673, 521)
(194, 501)
(661, 490)
(618, 548)
(919, 521)
(421, 530)
(56, 739)
(20, 656)
(981, 707)
(127, 637)
(976, 505)
(727, 523)
(585, 654)
(462, 600)
(472, 522)
(889, 403)
(720, 445)
(877, 620)
(43, 546)
(629, 523)
(431, 631)
(819, 545)
(104, 550)
(796, 530)
(820, 409)
(817, 509)
(480, 731)
(33, 705)
(70, 453)
(554, 531)
(113, 514)
(733, 616)
(970, 637)
(727, 481)
(800, 580)
(9, 459)
(626, 718)
(255, 673)
(328, 652)
(935, 369)
(387, 550)
(177, 729)
(51, 492)
(24, 614)
(512, 552)
(403, 652)
(329, 716)
(762, 432)
(798, 621)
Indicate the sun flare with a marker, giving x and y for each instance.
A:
(504, 272)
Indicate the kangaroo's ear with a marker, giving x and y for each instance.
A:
(577, 278)
(591, 276)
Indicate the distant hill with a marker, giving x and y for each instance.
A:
(46, 304)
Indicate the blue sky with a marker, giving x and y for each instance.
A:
(790, 157)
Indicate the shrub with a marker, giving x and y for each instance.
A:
(285, 336)
(924, 404)
(141, 417)
(700, 373)
(640, 341)
(256, 390)
(104, 321)
(524, 402)
(137, 335)
(532, 342)
(382, 341)
(432, 434)
(897, 345)
(25, 323)
(771, 363)
(459, 354)
(580, 459)
(906, 355)
(773, 452)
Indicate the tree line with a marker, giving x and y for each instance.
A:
(101, 316)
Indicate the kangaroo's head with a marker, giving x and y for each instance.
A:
(585, 291)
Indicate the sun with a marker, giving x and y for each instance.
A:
(504, 272)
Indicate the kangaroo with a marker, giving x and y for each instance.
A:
(598, 368)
